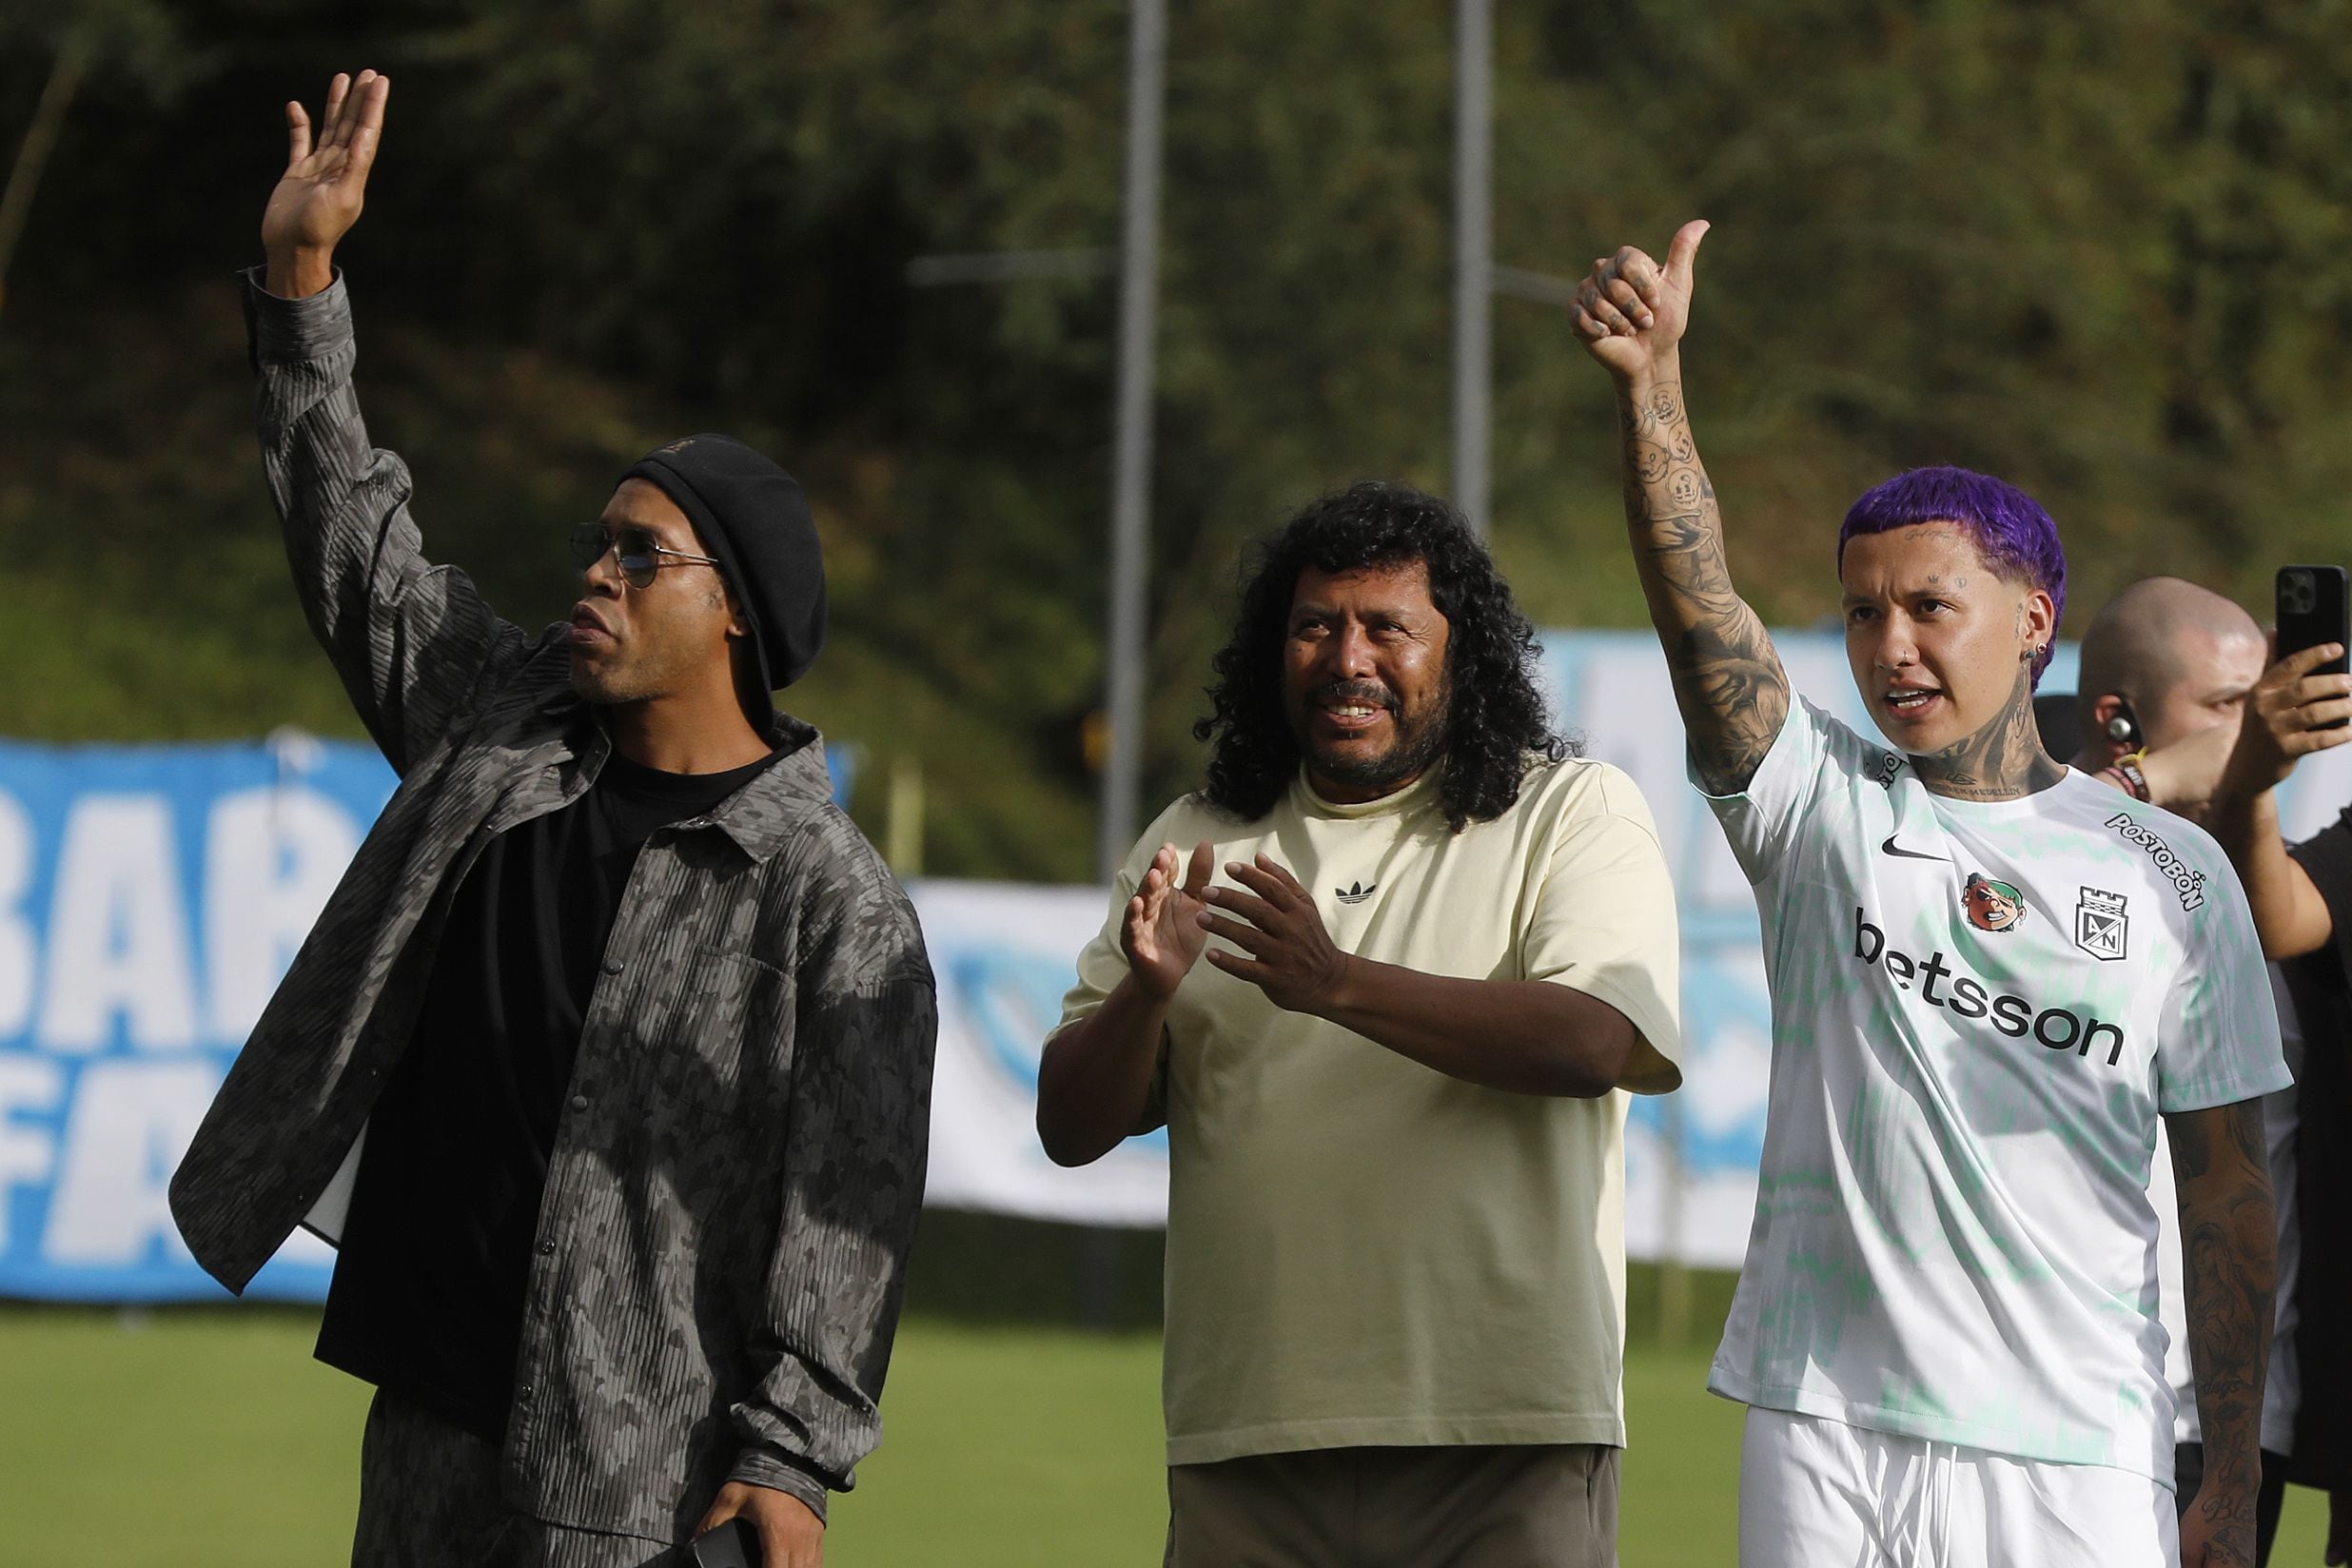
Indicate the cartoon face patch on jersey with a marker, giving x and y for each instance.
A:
(1992, 905)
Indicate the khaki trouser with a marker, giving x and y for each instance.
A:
(1539, 1506)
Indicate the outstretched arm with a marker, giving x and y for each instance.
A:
(2229, 1258)
(1728, 680)
(413, 643)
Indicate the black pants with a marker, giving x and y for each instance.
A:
(2189, 1474)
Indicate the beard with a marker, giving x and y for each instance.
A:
(1419, 742)
(599, 683)
(625, 676)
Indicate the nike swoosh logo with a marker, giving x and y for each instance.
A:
(1888, 848)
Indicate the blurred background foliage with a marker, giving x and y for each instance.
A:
(2104, 250)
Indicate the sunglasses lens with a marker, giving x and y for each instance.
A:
(633, 552)
(639, 559)
(589, 542)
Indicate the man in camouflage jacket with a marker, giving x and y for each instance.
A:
(708, 1281)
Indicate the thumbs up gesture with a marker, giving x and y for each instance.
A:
(1631, 311)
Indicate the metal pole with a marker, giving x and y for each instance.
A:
(1474, 116)
(1131, 504)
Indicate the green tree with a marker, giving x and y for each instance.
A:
(2099, 249)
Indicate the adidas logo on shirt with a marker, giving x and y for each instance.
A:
(1355, 892)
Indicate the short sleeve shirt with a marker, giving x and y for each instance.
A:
(1363, 1250)
(1979, 1010)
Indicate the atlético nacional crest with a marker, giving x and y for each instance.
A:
(2100, 928)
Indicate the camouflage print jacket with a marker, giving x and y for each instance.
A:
(736, 1176)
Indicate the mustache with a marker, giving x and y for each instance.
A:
(1368, 692)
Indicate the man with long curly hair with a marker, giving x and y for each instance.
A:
(1438, 944)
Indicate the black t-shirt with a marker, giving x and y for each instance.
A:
(2321, 983)
(435, 1259)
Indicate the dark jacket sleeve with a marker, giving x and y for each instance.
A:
(2323, 1455)
(412, 642)
(2326, 856)
(860, 1134)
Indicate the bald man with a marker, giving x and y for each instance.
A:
(2167, 667)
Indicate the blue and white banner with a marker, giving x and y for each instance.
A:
(151, 897)
(1004, 954)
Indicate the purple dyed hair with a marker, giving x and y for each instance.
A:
(2017, 537)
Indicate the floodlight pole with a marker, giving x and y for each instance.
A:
(1130, 501)
(1474, 136)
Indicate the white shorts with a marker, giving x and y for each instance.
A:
(1815, 1493)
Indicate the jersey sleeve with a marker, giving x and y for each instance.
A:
(1603, 923)
(2219, 1039)
(1762, 820)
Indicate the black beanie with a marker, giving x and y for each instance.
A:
(752, 516)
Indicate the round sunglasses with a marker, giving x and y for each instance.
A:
(639, 554)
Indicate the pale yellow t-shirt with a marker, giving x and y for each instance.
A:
(1361, 1251)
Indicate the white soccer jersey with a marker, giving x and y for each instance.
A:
(1978, 1011)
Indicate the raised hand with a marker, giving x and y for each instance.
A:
(1163, 937)
(1289, 952)
(1631, 312)
(2285, 714)
(324, 185)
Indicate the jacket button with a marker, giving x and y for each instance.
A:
(579, 1101)
(612, 965)
(547, 1249)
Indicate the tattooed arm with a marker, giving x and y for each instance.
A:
(2229, 1258)
(1728, 680)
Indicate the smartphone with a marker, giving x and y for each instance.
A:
(733, 1545)
(2314, 608)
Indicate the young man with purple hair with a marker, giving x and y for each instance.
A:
(1946, 1331)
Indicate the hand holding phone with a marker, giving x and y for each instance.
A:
(2303, 702)
(733, 1545)
(2315, 608)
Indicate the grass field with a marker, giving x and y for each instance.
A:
(198, 1438)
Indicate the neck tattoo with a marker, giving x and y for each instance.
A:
(2002, 761)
